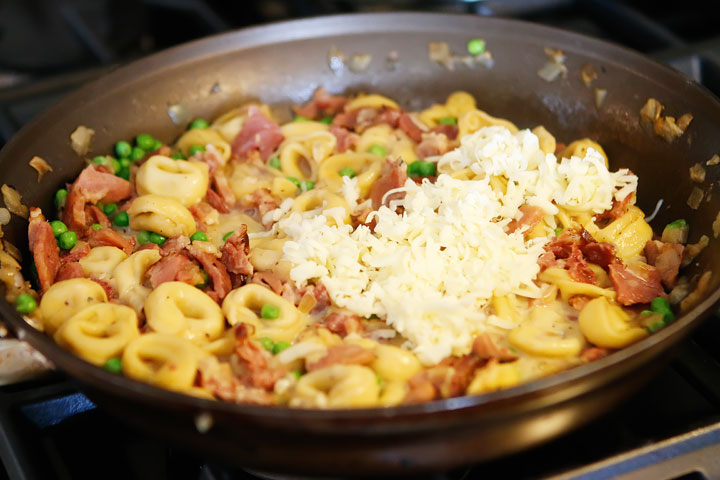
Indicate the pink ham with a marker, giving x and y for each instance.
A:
(636, 283)
(530, 217)
(235, 253)
(221, 283)
(322, 103)
(413, 128)
(93, 185)
(345, 138)
(107, 237)
(393, 176)
(175, 267)
(258, 133)
(667, 258)
(43, 246)
(432, 145)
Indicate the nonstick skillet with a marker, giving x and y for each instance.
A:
(283, 64)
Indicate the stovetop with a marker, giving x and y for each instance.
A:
(48, 430)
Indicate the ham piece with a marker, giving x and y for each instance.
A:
(93, 185)
(636, 283)
(258, 133)
(393, 176)
(43, 246)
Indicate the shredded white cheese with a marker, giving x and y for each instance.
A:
(431, 271)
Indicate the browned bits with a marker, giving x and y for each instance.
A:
(80, 139)
(40, 166)
(13, 201)
(697, 173)
(713, 161)
(667, 128)
(588, 74)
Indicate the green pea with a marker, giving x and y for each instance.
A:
(326, 120)
(206, 279)
(300, 118)
(677, 224)
(656, 326)
(295, 181)
(156, 145)
(379, 380)
(660, 305)
(177, 156)
(60, 197)
(227, 235)
(143, 237)
(96, 226)
(267, 343)
(157, 239)
(296, 373)
(307, 185)
(378, 150)
(558, 231)
(280, 346)
(448, 121)
(123, 149)
(137, 154)
(115, 164)
(270, 312)
(274, 162)
(114, 365)
(100, 160)
(347, 172)
(145, 141)
(427, 169)
(25, 303)
(476, 46)
(195, 149)
(198, 123)
(110, 208)
(125, 163)
(199, 236)
(122, 219)
(67, 240)
(124, 172)
(58, 228)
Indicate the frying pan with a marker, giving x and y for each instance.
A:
(283, 64)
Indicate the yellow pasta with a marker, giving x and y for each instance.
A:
(579, 148)
(322, 200)
(204, 137)
(395, 364)
(548, 334)
(176, 308)
(545, 138)
(377, 135)
(494, 376)
(628, 233)
(297, 161)
(65, 299)
(569, 287)
(128, 276)
(101, 261)
(162, 215)
(367, 168)
(607, 325)
(338, 386)
(186, 182)
(473, 120)
(229, 124)
(370, 101)
(99, 332)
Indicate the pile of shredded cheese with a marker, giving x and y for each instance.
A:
(431, 271)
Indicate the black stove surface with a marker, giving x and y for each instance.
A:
(669, 430)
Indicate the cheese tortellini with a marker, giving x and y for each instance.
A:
(65, 299)
(186, 182)
(128, 276)
(338, 386)
(163, 215)
(101, 261)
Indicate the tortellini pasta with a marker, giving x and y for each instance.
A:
(204, 137)
(548, 334)
(324, 201)
(338, 386)
(608, 325)
(367, 168)
(101, 261)
(370, 101)
(65, 299)
(186, 182)
(245, 303)
(99, 332)
(176, 308)
(128, 276)
(628, 233)
(163, 215)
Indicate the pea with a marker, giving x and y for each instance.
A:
(307, 185)
(116, 166)
(326, 120)
(122, 219)
(110, 208)
(145, 141)
(300, 118)
(156, 145)
(296, 373)
(177, 156)
(143, 237)
(378, 150)
(195, 149)
(274, 162)
(199, 236)
(295, 181)
(123, 149)
(205, 281)
(25, 303)
(656, 326)
(558, 231)
(280, 346)
(60, 197)
(124, 172)
(96, 226)
(198, 123)
(448, 121)
(137, 154)
(347, 172)
(267, 343)
(270, 312)
(114, 365)
(157, 239)
(427, 169)
(100, 160)
(67, 240)
(476, 46)
(227, 235)
(58, 228)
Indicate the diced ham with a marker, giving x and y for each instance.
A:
(201, 212)
(80, 250)
(342, 324)
(235, 253)
(322, 297)
(218, 379)
(485, 348)
(450, 131)
(413, 128)
(393, 176)
(618, 210)
(255, 360)
(667, 258)
(93, 185)
(346, 354)
(564, 244)
(322, 103)
(262, 200)
(578, 302)
(449, 378)
(346, 120)
(258, 133)
(95, 215)
(176, 267)
(389, 116)
(221, 283)
(68, 271)
(594, 353)
(268, 279)
(110, 291)
(44, 248)
(578, 268)
(107, 237)
(173, 245)
(432, 144)
(216, 201)
(345, 138)
(546, 260)
(420, 390)
(599, 253)
(636, 283)
(530, 217)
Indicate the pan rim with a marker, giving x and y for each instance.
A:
(225, 43)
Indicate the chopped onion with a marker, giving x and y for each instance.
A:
(382, 334)
(600, 94)
(679, 291)
(299, 350)
(203, 422)
(716, 226)
(696, 295)
(713, 161)
(179, 114)
(692, 250)
(81, 138)
(439, 52)
(651, 110)
(697, 173)
(588, 74)
(13, 201)
(307, 303)
(684, 121)
(4, 216)
(12, 250)
(336, 60)
(359, 62)
(667, 129)
(41, 166)
(551, 71)
(695, 198)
